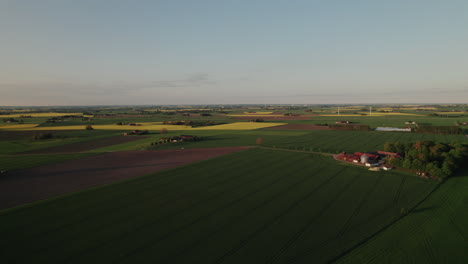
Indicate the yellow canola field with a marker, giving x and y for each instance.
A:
(451, 113)
(336, 115)
(418, 108)
(258, 113)
(41, 114)
(375, 114)
(394, 113)
(240, 126)
(149, 126)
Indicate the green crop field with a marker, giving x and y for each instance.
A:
(331, 141)
(350, 141)
(254, 206)
(435, 232)
(14, 162)
(26, 143)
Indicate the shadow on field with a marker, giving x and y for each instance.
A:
(425, 209)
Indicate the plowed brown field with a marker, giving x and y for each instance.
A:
(29, 185)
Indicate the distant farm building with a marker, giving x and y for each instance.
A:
(372, 160)
(393, 129)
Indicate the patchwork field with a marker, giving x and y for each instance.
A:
(52, 114)
(254, 206)
(86, 145)
(134, 199)
(149, 126)
(25, 186)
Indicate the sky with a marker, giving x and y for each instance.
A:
(88, 52)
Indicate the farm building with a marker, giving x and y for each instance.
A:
(393, 129)
(369, 155)
(349, 157)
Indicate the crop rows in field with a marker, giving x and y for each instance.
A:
(349, 141)
(318, 141)
(435, 232)
(254, 206)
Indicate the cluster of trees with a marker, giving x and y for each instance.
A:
(439, 160)
(182, 138)
(182, 123)
(193, 123)
(256, 120)
(41, 136)
(12, 120)
(291, 114)
(451, 130)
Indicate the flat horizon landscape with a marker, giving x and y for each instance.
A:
(217, 132)
(198, 185)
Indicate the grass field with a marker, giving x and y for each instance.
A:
(26, 143)
(255, 206)
(40, 115)
(435, 232)
(318, 140)
(27, 161)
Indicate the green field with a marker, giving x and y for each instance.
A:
(435, 232)
(26, 143)
(261, 205)
(331, 141)
(14, 162)
(254, 206)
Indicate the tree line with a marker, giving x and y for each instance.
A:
(438, 160)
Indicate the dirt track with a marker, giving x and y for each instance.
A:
(25, 186)
(84, 146)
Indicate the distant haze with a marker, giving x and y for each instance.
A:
(92, 52)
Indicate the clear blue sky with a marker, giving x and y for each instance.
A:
(82, 52)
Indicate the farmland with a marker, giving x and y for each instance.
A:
(261, 205)
(435, 232)
(280, 199)
(317, 140)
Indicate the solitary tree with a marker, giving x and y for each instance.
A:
(89, 127)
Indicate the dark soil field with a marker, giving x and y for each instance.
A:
(301, 126)
(254, 206)
(29, 185)
(84, 146)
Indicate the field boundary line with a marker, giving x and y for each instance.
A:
(365, 240)
(173, 214)
(279, 194)
(213, 212)
(300, 151)
(304, 229)
(272, 221)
